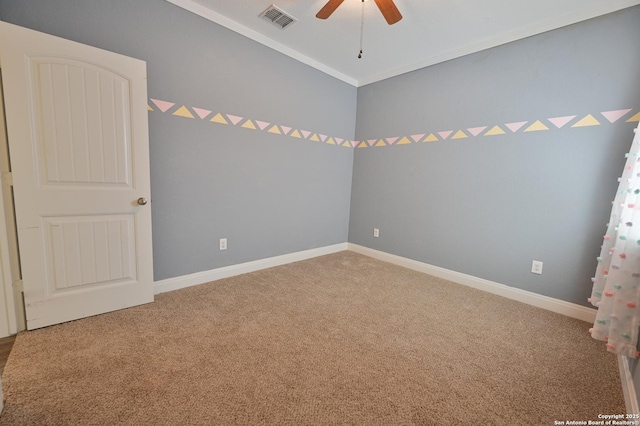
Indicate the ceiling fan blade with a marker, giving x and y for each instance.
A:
(328, 9)
(389, 11)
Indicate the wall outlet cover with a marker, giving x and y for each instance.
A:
(536, 267)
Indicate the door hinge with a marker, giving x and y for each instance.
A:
(18, 286)
(7, 178)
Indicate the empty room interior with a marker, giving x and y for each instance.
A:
(412, 236)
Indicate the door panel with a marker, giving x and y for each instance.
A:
(90, 250)
(82, 114)
(78, 142)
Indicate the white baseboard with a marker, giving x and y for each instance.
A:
(628, 388)
(177, 283)
(559, 306)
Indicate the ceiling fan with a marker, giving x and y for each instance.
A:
(387, 7)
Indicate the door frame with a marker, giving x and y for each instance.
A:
(13, 321)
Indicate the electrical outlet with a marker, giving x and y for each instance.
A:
(223, 243)
(376, 232)
(536, 267)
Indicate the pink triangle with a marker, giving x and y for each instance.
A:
(305, 133)
(561, 121)
(614, 116)
(262, 124)
(339, 140)
(392, 140)
(162, 105)
(417, 138)
(234, 119)
(445, 134)
(285, 129)
(202, 113)
(322, 137)
(354, 143)
(475, 131)
(514, 127)
(371, 141)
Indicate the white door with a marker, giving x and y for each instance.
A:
(78, 141)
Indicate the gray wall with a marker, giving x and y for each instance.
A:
(486, 205)
(489, 205)
(268, 194)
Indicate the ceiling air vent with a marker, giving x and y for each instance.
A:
(277, 17)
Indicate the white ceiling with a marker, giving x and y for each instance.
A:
(430, 32)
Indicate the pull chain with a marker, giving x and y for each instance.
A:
(361, 30)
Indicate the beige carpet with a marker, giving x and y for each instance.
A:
(340, 339)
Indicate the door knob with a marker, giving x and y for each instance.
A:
(142, 201)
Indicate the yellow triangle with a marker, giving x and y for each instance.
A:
(347, 144)
(495, 130)
(431, 138)
(536, 126)
(275, 129)
(183, 112)
(363, 144)
(149, 108)
(380, 143)
(460, 135)
(405, 140)
(295, 134)
(588, 120)
(331, 141)
(634, 118)
(218, 118)
(249, 125)
(314, 137)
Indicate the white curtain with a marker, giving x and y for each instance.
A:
(616, 286)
